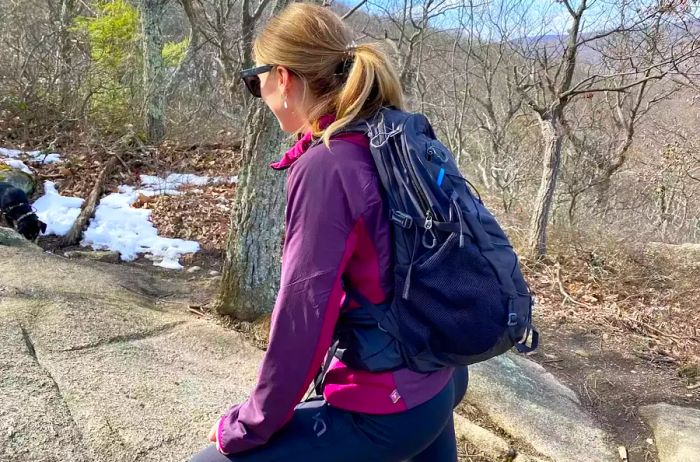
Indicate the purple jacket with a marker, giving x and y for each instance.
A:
(336, 226)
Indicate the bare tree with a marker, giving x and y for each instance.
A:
(252, 264)
(405, 26)
(671, 185)
(154, 82)
(494, 110)
(551, 78)
(64, 15)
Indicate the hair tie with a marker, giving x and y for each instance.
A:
(348, 59)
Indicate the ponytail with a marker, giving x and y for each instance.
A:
(371, 83)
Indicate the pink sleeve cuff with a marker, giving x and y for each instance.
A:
(218, 436)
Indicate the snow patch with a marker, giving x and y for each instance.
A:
(17, 164)
(44, 157)
(11, 153)
(154, 185)
(58, 212)
(118, 226)
(41, 157)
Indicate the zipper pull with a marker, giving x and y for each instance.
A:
(428, 219)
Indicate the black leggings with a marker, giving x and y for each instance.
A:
(320, 432)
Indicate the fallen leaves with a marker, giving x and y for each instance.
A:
(642, 305)
(201, 214)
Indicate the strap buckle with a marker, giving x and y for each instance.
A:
(402, 219)
(512, 319)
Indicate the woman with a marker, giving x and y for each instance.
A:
(313, 77)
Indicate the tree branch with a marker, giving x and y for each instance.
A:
(573, 92)
(353, 9)
(259, 10)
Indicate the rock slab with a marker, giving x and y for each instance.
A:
(531, 405)
(676, 431)
(96, 367)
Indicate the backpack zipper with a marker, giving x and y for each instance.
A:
(425, 201)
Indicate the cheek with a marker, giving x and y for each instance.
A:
(288, 118)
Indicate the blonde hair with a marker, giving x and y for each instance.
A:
(314, 43)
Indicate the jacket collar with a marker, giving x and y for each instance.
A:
(301, 146)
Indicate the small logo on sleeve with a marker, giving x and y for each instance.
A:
(395, 397)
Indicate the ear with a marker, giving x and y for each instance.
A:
(284, 78)
(42, 226)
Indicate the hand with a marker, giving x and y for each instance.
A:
(214, 430)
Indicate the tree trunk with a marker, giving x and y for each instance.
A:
(551, 160)
(65, 19)
(572, 208)
(153, 70)
(663, 212)
(620, 157)
(251, 270)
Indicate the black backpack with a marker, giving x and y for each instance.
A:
(459, 295)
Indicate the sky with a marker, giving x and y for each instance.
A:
(521, 18)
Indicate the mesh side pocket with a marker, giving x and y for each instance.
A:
(455, 305)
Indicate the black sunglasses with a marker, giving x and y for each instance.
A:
(251, 78)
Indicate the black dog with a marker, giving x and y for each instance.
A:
(15, 208)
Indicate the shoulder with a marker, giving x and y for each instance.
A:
(342, 155)
(342, 170)
(345, 160)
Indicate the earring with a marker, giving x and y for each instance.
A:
(285, 102)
